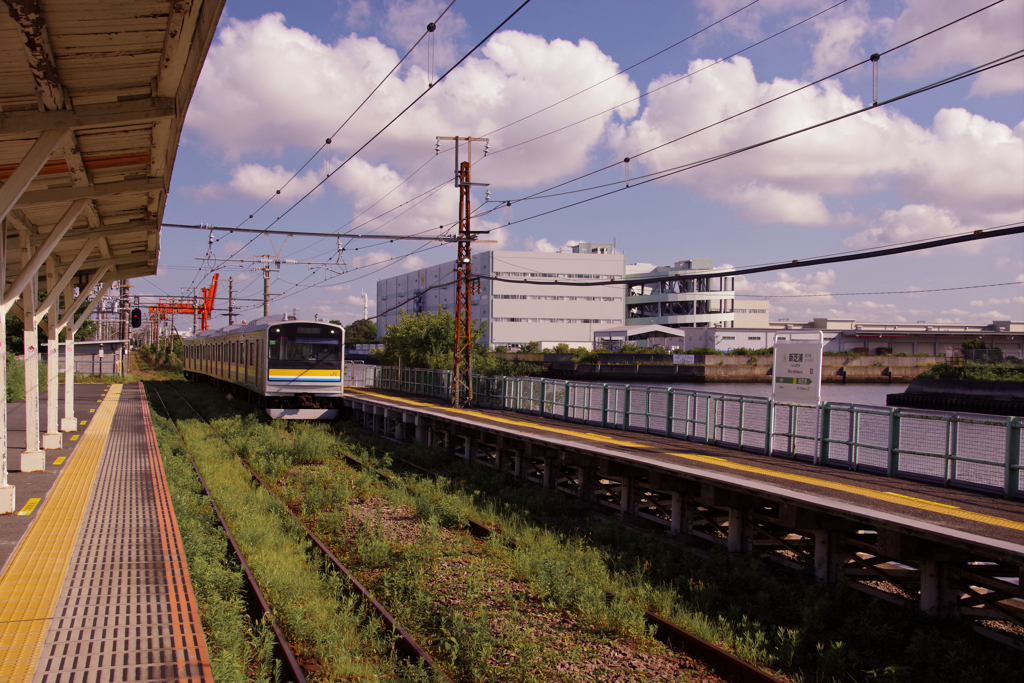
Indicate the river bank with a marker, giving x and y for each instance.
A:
(879, 371)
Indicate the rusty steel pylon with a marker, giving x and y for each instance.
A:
(465, 287)
(462, 385)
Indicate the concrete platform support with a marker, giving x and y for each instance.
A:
(828, 562)
(517, 463)
(741, 531)
(585, 477)
(32, 458)
(626, 496)
(52, 439)
(549, 473)
(69, 423)
(938, 594)
(421, 430)
(676, 523)
(6, 490)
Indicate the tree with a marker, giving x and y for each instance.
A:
(422, 340)
(361, 332)
(530, 347)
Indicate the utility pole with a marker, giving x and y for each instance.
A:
(124, 325)
(231, 301)
(266, 286)
(366, 305)
(195, 312)
(462, 370)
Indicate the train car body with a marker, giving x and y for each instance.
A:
(291, 368)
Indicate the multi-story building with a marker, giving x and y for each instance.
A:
(515, 306)
(701, 300)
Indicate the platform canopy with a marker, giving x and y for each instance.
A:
(93, 96)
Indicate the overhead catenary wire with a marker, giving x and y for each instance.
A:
(432, 190)
(545, 192)
(795, 263)
(392, 121)
(665, 173)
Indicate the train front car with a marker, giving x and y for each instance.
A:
(304, 370)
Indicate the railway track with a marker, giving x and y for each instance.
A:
(284, 649)
(725, 664)
(404, 643)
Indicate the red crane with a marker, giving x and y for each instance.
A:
(186, 306)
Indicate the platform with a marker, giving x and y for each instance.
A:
(97, 588)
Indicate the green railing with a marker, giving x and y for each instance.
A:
(968, 451)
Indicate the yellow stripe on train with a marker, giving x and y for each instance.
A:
(287, 375)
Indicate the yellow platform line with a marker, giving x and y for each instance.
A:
(892, 498)
(31, 583)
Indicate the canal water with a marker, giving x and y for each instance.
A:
(860, 394)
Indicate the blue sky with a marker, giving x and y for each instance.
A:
(281, 77)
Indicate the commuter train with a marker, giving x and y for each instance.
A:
(290, 368)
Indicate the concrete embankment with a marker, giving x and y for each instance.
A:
(746, 369)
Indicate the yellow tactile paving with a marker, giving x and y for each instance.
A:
(892, 498)
(30, 584)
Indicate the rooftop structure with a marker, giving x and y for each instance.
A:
(703, 300)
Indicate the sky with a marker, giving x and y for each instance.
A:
(568, 89)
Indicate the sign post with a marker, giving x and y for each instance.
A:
(796, 376)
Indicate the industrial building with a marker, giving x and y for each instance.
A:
(705, 300)
(841, 336)
(517, 309)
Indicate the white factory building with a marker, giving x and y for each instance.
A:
(517, 309)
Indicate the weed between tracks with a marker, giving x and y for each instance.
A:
(526, 606)
(326, 626)
(523, 606)
(237, 645)
(761, 612)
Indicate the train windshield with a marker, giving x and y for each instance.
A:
(307, 343)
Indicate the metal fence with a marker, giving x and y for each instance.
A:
(952, 449)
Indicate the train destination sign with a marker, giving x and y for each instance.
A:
(797, 372)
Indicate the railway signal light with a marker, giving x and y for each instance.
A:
(136, 317)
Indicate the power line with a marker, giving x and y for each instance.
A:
(389, 123)
(545, 193)
(665, 173)
(795, 263)
(903, 291)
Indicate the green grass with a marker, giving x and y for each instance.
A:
(322, 619)
(761, 611)
(237, 646)
(515, 607)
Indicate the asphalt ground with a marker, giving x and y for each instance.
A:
(967, 511)
(29, 485)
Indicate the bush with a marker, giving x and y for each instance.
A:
(16, 378)
(1002, 372)
(706, 351)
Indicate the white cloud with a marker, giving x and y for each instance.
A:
(357, 14)
(965, 163)
(413, 263)
(544, 245)
(372, 258)
(912, 222)
(266, 86)
(788, 285)
(973, 41)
